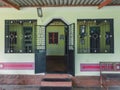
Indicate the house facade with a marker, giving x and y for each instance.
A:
(72, 39)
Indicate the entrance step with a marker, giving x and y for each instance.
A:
(57, 76)
(56, 84)
(56, 80)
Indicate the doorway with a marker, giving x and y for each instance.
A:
(56, 47)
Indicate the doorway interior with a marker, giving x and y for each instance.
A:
(56, 55)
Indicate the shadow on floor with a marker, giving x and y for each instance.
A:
(22, 87)
(95, 88)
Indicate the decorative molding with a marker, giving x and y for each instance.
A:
(17, 66)
(89, 67)
(61, 18)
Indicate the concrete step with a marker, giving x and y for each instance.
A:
(57, 76)
(56, 80)
(56, 84)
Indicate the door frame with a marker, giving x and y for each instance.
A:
(40, 52)
(66, 30)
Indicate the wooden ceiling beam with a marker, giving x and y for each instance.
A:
(10, 4)
(104, 3)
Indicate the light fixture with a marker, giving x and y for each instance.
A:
(39, 11)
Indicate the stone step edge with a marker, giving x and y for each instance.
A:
(59, 76)
(56, 84)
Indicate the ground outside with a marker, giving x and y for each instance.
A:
(52, 82)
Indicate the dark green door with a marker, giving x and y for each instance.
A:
(40, 50)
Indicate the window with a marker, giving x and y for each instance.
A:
(12, 40)
(53, 38)
(27, 40)
(13, 37)
(95, 36)
(19, 36)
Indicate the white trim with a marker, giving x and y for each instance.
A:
(48, 21)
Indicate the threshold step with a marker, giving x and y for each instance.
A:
(57, 76)
(55, 84)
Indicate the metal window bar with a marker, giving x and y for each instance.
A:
(84, 48)
(40, 37)
(71, 36)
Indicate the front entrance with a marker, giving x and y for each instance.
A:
(56, 47)
(57, 56)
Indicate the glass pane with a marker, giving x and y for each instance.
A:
(95, 36)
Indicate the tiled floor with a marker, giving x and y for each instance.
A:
(20, 79)
(86, 81)
(33, 82)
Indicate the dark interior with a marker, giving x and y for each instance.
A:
(56, 64)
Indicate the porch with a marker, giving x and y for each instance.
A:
(34, 82)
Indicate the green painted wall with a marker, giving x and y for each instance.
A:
(105, 27)
(55, 49)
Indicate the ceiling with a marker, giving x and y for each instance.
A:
(17, 4)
